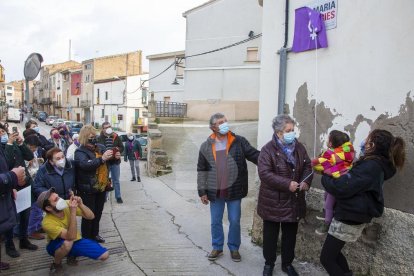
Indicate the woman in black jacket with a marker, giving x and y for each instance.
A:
(91, 179)
(359, 196)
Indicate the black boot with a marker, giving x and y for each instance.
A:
(268, 270)
(26, 244)
(133, 178)
(139, 179)
(289, 270)
(11, 250)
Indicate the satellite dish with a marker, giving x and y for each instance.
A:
(32, 66)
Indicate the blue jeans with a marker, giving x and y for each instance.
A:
(35, 219)
(115, 170)
(233, 213)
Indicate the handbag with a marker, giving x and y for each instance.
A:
(8, 214)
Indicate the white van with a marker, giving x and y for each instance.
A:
(13, 115)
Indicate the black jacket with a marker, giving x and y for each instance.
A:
(86, 165)
(240, 150)
(16, 155)
(47, 177)
(359, 193)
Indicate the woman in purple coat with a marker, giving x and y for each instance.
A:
(285, 173)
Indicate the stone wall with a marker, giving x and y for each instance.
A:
(385, 248)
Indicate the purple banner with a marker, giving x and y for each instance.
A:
(310, 31)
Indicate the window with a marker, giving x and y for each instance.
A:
(252, 54)
(97, 96)
(87, 78)
(78, 103)
(103, 113)
(167, 99)
(106, 95)
(65, 77)
(88, 66)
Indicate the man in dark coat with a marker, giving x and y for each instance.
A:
(222, 179)
(8, 181)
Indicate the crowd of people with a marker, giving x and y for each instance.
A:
(354, 188)
(71, 176)
(68, 176)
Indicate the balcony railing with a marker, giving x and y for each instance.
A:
(85, 103)
(46, 101)
(170, 109)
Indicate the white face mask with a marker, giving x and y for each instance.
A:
(108, 131)
(61, 163)
(131, 138)
(61, 204)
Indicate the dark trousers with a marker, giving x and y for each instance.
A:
(95, 202)
(331, 257)
(23, 218)
(270, 237)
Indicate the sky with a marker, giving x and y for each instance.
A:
(95, 28)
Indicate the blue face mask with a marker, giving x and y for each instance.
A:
(37, 129)
(224, 128)
(289, 137)
(4, 138)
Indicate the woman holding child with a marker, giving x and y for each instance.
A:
(359, 196)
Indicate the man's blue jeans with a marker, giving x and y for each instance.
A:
(115, 173)
(233, 213)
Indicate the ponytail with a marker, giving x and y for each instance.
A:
(397, 152)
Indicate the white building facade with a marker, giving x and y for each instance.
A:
(120, 102)
(363, 80)
(9, 94)
(227, 80)
(169, 86)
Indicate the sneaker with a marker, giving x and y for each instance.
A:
(139, 179)
(26, 244)
(56, 269)
(268, 270)
(119, 200)
(235, 256)
(99, 239)
(215, 254)
(323, 229)
(320, 218)
(133, 178)
(4, 266)
(71, 260)
(11, 251)
(289, 270)
(37, 236)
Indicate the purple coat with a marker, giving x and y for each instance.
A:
(276, 202)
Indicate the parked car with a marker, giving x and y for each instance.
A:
(49, 121)
(75, 127)
(58, 122)
(42, 116)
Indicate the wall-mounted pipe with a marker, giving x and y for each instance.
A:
(283, 65)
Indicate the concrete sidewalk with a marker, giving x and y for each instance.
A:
(156, 231)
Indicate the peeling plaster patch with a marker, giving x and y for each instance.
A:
(373, 108)
(303, 112)
(400, 189)
(352, 128)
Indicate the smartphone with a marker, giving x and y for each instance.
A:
(14, 129)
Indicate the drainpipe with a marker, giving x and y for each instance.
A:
(283, 65)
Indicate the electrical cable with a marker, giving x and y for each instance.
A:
(176, 62)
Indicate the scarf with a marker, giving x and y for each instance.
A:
(101, 175)
(288, 149)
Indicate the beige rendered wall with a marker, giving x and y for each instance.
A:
(234, 110)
